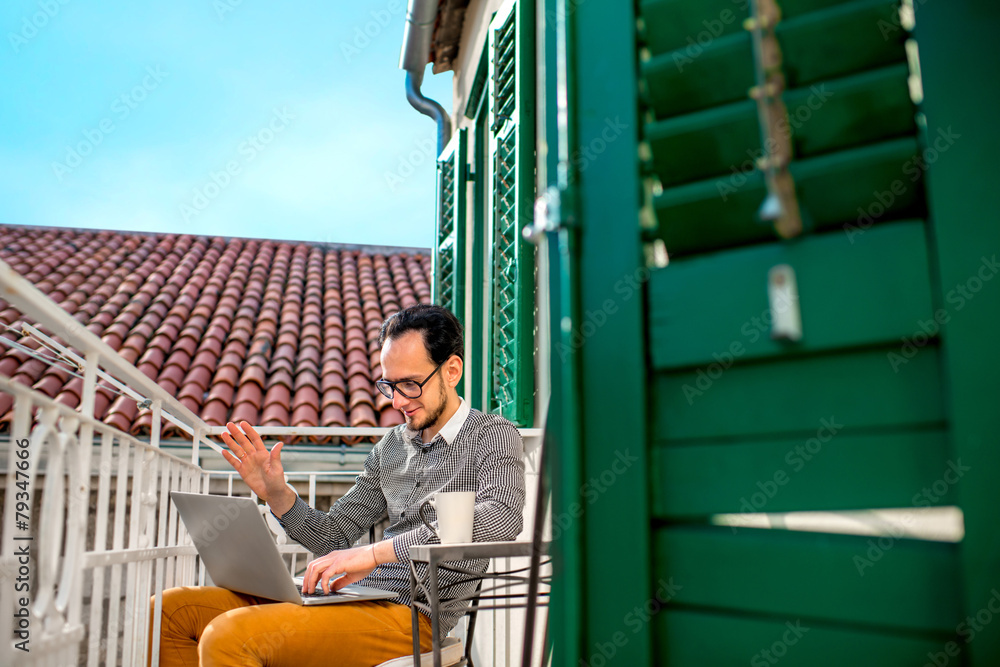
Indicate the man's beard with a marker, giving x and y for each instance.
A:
(432, 416)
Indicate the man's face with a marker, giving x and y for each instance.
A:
(406, 358)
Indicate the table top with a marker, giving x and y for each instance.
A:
(471, 550)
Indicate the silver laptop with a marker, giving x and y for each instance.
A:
(236, 546)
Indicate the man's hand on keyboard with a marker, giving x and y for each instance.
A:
(352, 564)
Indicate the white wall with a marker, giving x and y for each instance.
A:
(498, 638)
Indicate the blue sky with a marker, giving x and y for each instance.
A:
(229, 117)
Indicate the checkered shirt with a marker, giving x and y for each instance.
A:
(473, 452)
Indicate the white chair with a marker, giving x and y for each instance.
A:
(451, 654)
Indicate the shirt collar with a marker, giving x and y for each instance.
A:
(449, 431)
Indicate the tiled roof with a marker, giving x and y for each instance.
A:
(276, 333)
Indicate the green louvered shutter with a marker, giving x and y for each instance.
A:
(512, 156)
(448, 287)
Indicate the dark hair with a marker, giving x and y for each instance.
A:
(440, 329)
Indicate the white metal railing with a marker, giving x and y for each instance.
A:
(59, 556)
(96, 525)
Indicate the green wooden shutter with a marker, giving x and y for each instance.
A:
(448, 288)
(511, 148)
(732, 407)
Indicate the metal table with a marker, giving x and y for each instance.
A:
(435, 555)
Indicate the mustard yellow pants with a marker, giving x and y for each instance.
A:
(215, 627)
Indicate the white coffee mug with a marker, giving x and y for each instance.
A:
(454, 514)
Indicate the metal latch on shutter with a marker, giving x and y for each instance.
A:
(783, 298)
(548, 215)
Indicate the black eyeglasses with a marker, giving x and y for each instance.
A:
(406, 388)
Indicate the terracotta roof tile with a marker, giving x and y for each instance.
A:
(255, 374)
(307, 378)
(363, 415)
(310, 367)
(187, 343)
(231, 358)
(275, 415)
(359, 374)
(390, 417)
(122, 413)
(130, 354)
(213, 345)
(230, 374)
(332, 367)
(200, 377)
(174, 375)
(305, 415)
(215, 413)
(306, 396)
(359, 396)
(164, 340)
(283, 377)
(334, 415)
(223, 391)
(217, 321)
(278, 394)
(334, 396)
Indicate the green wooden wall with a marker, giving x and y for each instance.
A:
(958, 54)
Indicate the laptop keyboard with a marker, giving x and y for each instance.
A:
(318, 594)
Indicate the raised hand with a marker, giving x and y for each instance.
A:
(260, 469)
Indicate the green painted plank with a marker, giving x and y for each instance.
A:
(674, 24)
(682, 81)
(865, 289)
(720, 69)
(705, 143)
(804, 474)
(852, 189)
(678, 24)
(603, 200)
(693, 638)
(859, 187)
(850, 111)
(833, 115)
(909, 583)
(956, 39)
(859, 390)
(844, 38)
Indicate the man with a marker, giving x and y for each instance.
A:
(443, 446)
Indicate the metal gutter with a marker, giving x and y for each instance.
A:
(421, 17)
